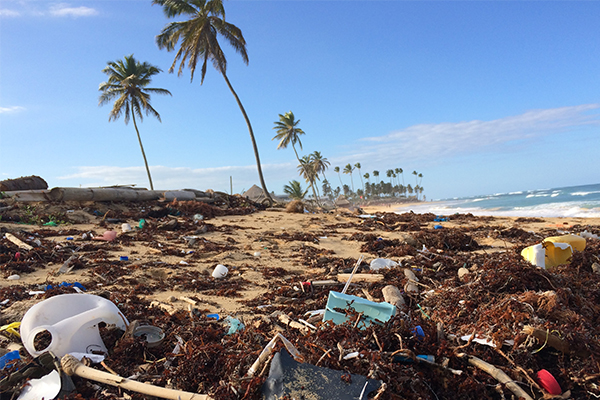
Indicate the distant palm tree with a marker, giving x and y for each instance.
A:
(348, 169)
(367, 176)
(199, 41)
(376, 175)
(416, 176)
(294, 190)
(127, 83)
(337, 169)
(389, 173)
(357, 165)
(401, 172)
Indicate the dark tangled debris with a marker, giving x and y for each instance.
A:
(499, 297)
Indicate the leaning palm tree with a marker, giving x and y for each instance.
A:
(348, 169)
(127, 83)
(294, 190)
(307, 171)
(199, 42)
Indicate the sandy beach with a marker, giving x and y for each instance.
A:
(165, 264)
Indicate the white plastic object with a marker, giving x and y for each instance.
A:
(126, 227)
(72, 321)
(220, 271)
(380, 263)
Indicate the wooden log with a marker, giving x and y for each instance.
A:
(360, 278)
(32, 182)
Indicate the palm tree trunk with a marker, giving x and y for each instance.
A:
(142, 147)
(254, 146)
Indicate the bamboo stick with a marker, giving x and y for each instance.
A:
(73, 366)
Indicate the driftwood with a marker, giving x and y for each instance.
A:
(73, 366)
(360, 277)
(500, 376)
(18, 242)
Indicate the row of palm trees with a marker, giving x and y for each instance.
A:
(313, 165)
(197, 38)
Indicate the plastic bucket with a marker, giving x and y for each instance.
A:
(72, 322)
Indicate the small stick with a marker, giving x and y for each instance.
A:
(73, 366)
(323, 356)
(352, 274)
(500, 376)
(377, 341)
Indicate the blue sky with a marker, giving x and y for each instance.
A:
(479, 96)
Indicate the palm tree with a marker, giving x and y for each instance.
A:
(288, 132)
(294, 190)
(416, 176)
(306, 170)
(348, 169)
(337, 169)
(401, 172)
(127, 83)
(320, 163)
(367, 176)
(375, 175)
(199, 41)
(357, 165)
(389, 173)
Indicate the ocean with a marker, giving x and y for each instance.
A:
(572, 201)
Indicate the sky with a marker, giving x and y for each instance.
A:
(479, 97)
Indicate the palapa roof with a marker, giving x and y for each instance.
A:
(255, 193)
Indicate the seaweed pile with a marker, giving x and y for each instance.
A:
(469, 306)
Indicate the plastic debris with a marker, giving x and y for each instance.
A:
(369, 311)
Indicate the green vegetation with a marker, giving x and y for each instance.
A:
(127, 83)
(294, 190)
(199, 41)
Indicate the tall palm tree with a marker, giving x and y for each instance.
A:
(127, 83)
(337, 169)
(294, 190)
(389, 173)
(367, 176)
(199, 41)
(348, 169)
(375, 175)
(416, 177)
(289, 133)
(401, 172)
(357, 165)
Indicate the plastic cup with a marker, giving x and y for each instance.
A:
(220, 271)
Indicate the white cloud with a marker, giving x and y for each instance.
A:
(12, 109)
(9, 13)
(64, 10)
(448, 139)
(178, 177)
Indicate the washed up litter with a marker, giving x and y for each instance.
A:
(46, 387)
(381, 263)
(108, 236)
(368, 311)
(554, 250)
(71, 321)
(290, 379)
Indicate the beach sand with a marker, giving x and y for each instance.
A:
(270, 253)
